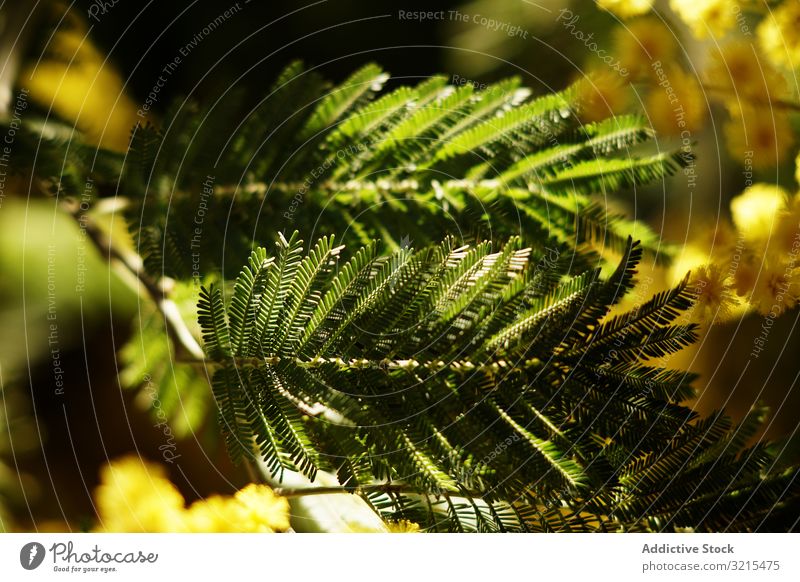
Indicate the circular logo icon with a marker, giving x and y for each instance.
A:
(31, 555)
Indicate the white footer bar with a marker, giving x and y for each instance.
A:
(400, 557)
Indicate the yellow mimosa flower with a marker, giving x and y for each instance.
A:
(778, 35)
(755, 211)
(706, 17)
(678, 105)
(641, 43)
(626, 8)
(601, 95)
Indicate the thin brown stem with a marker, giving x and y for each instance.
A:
(185, 345)
(132, 263)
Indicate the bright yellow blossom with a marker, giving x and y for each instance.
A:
(690, 259)
(136, 496)
(718, 245)
(777, 288)
(755, 211)
(706, 16)
(770, 283)
(261, 508)
(678, 107)
(626, 8)
(720, 242)
(403, 526)
(211, 514)
(713, 255)
(253, 509)
(785, 240)
(601, 95)
(642, 42)
(778, 35)
(715, 299)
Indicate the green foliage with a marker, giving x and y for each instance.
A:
(396, 166)
(59, 162)
(466, 386)
(451, 387)
(176, 395)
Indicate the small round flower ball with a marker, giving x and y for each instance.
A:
(626, 8)
(706, 17)
(254, 509)
(136, 496)
(689, 259)
(676, 105)
(756, 210)
(777, 289)
(262, 509)
(643, 44)
(602, 94)
(715, 298)
(778, 35)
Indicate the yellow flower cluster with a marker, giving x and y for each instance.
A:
(641, 44)
(253, 509)
(757, 266)
(752, 264)
(137, 496)
(403, 526)
(626, 8)
(677, 104)
(748, 78)
(755, 210)
(706, 17)
(715, 298)
(602, 94)
(756, 131)
(779, 35)
(738, 69)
